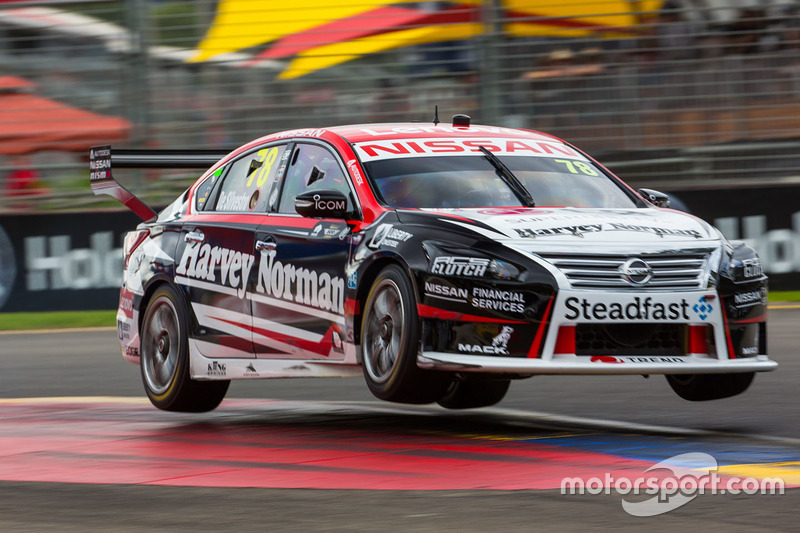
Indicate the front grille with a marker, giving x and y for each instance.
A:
(631, 339)
(675, 271)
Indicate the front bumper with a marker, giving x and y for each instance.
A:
(601, 365)
(706, 349)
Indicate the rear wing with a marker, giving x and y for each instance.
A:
(101, 159)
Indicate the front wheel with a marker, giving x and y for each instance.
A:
(390, 341)
(470, 394)
(165, 358)
(703, 387)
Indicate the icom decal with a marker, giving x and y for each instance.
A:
(325, 204)
(286, 281)
(201, 262)
(471, 267)
(499, 344)
(388, 235)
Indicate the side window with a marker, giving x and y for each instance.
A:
(312, 167)
(204, 190)
(247, 185)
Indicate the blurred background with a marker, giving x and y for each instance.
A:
(700, 98)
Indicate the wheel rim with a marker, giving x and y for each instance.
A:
(160, 346)
(383, 334)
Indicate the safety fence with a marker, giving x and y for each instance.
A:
(665, 92)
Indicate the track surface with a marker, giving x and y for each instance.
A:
(405, 468)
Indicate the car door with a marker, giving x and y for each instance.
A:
(217, 255)
(298, 302)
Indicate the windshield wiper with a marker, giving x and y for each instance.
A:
(511, 180)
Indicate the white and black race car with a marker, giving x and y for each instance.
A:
(441, 260)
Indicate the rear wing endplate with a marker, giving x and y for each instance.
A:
(102, 181)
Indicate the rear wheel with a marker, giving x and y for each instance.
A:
(165, 358)
(390, 339)
(469, 394)
(702, 387)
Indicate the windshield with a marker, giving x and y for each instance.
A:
(472, 181)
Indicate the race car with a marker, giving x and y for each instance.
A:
(441, 261)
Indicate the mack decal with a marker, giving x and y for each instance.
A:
(474, 267)
(499, 344)
(201, 262)
(296, 284)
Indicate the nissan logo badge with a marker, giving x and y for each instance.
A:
(635, 271)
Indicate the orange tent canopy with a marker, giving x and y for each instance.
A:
(31, 123)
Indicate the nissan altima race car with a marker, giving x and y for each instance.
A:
(441, 261)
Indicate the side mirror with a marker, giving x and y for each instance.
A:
(323, 203)
(657, 198)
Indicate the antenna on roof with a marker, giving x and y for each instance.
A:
(436, 115)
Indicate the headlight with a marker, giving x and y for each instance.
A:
(463, 262)
(502, 270)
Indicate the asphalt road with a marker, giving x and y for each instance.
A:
(87, 363)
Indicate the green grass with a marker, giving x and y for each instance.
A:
(88, 319)
(783, 296)
(57, 320)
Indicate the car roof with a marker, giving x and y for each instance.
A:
(358, 133)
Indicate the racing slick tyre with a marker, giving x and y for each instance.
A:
(702, 387)
(165, 358)
(390, 339)
(463, 394)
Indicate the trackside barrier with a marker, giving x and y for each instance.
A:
(73, 261)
